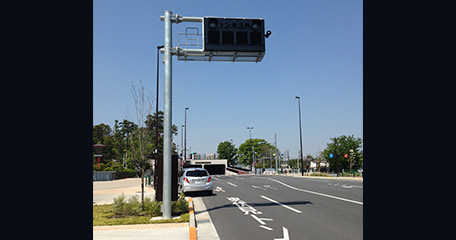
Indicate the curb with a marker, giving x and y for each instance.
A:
(192, 223)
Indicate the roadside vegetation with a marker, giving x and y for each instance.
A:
(124, 212)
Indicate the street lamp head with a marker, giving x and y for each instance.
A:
(297, 97)
(187, 108)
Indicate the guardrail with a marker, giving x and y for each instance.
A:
(237, 170)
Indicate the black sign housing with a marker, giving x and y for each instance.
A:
(233, 34)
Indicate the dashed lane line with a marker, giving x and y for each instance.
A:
(316, 193)
(232, 184)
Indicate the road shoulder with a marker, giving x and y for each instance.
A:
(204, 227)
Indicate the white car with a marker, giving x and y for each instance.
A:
(196, 180)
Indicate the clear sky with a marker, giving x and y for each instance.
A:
(315, 52)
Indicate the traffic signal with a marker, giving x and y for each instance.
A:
(233, 34)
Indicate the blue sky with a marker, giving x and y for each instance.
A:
(315, 52)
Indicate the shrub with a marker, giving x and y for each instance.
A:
(152, 207)
(318, 174)
(132, 206)
(119, 204)
(181, 205)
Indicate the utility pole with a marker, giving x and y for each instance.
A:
(276, 152)
(335, 156)
(300, 134)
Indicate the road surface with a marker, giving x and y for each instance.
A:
(280, 207)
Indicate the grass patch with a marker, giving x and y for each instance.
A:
(318, 174)
(125, 212)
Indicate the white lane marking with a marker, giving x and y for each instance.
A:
(219, 189)
(267, 228)
(232, 184)
(345, 186)
(316, 193)
(269, 186)
(260, 220)
(281, 204)
(285, 235)
(243, 206)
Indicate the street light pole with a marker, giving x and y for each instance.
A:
(182, 141)
(185, 138)
(250, 132)
(300, 134)
(156, 104)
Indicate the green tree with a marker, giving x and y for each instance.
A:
(100, 131)
(339, 146)
(227, 150)
(293, 163)
(245, 154)
(150, 124)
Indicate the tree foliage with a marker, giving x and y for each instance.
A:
(245, 153)
(339, 146)
(227, 150)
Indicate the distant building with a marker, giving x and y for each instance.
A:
(213, 166)
(323, 165)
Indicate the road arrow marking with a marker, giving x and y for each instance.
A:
(260, 220)
(267, 228)
(243, 206)
(285, 235)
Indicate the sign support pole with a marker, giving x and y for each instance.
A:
(167, 142)
(168, 51)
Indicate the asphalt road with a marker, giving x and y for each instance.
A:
(279, 207)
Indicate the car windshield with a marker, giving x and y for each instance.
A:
(196, 173)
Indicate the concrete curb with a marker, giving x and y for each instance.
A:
(192, 223)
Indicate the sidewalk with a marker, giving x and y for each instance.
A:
(105, 191)
(166, 231)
